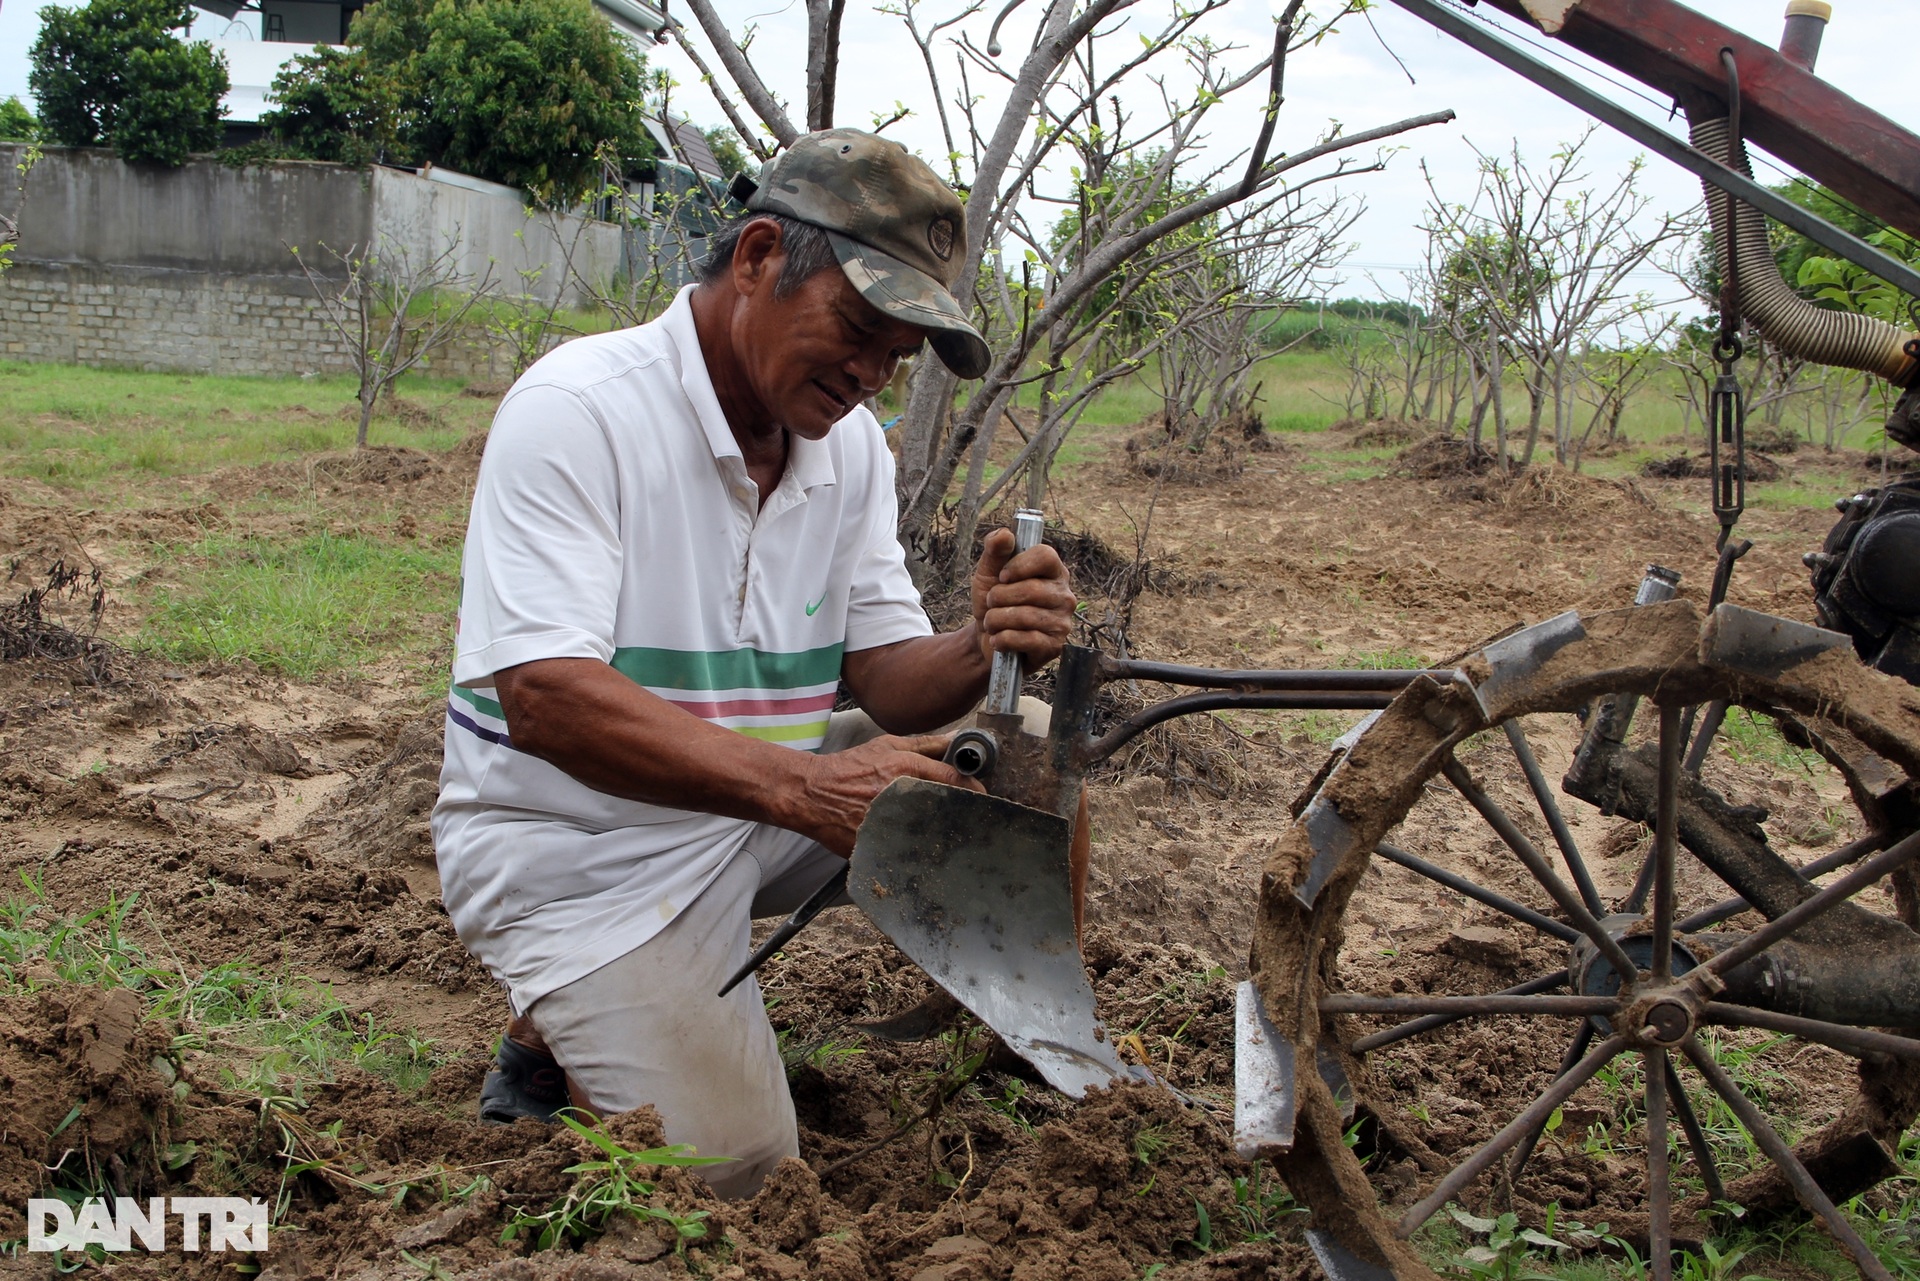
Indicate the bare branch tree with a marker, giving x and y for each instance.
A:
(1058, 103)
(748, 135)
(1610, 374)
(660, 253)
(1544, 263)
(391, 310)
(733, 56)
(823, 59)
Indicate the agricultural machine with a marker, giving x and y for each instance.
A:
(1827, 952)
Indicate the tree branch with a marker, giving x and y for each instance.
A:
(744, 77)
(748, 135)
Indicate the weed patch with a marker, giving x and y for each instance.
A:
(617, 1183)
(68, 424)
(270, 1034)
(326, 603)
(1755, 738)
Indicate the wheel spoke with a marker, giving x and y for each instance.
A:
(1576, 1050)
(1537, 864)
(1665, 827)
(1857, 1041)
(1709, 726)
(1414, 1027)
(1777, 1150)
(1636, 900)
(1556, 821)
(1479, 894)
(1696, 1136)
(1659, 1192)
(1536, 1114)
(1581, 1006)
(1833, 894)
(1852, 852)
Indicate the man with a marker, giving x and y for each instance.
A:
(682, 541)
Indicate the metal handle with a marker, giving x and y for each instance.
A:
(816, 903)
(1003, 688)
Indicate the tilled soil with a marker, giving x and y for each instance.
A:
(286, 825)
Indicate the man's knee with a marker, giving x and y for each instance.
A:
(646, 1028)
(1037, 715)
(849, 729)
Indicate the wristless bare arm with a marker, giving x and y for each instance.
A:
(583, 717)
(1020, 602)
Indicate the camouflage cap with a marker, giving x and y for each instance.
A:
(899, 232)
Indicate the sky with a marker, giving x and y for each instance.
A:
(1355, 77)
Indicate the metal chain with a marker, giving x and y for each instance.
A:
(1726, 406)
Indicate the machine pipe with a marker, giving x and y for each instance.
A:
(1789, 321)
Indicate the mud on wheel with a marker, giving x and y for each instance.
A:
(1832, 963)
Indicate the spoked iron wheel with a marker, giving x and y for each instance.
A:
(1771, 948)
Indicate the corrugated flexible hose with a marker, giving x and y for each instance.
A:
(1789, 321)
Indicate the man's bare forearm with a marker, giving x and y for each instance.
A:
(914, 686)
(583, 717)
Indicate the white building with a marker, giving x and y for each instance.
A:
(260, 37)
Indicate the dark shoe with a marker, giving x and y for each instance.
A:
(527, 1083)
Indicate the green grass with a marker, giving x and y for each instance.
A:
(268, 1032)
(1754, 738)
(275, 1031)
(70, 424)
(1319, 728)
(324, 603)
(1305, 389)
(1398, 660)
(1816, 490)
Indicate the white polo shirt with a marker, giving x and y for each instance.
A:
(614, 519)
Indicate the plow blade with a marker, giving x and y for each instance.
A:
(974, 889)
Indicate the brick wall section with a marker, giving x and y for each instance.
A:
(129, 317)
(144, 319)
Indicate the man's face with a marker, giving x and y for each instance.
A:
(811, 357)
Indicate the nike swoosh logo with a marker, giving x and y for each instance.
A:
(815, 607)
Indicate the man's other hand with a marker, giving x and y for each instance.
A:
(1022, 603)
(841, 785)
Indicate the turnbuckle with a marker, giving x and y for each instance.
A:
(1727, 435)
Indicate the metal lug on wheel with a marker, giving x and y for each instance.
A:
(1263, 1095)
(1340, 1263)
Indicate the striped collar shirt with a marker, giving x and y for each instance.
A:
(614, 519)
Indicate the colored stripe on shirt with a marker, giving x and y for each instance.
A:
(777, 698)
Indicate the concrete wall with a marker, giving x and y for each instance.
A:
(191, 268)
(491, 227)
(87, 207)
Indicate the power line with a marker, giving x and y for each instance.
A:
(1638, 92)
(1561, 54)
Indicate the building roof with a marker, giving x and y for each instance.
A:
(682, 140)
(639, 19)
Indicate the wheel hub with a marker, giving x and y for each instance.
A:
(1656, 1017)
(1661, 1019)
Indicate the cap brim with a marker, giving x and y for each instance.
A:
(907, 293)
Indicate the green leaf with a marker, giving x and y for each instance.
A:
(1471, 1222)
(678, 1154)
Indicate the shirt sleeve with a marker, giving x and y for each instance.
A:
(541, 573)
(883, 606)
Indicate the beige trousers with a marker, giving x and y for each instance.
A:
(647, 1028)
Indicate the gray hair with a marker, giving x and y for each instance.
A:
(808, 251)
